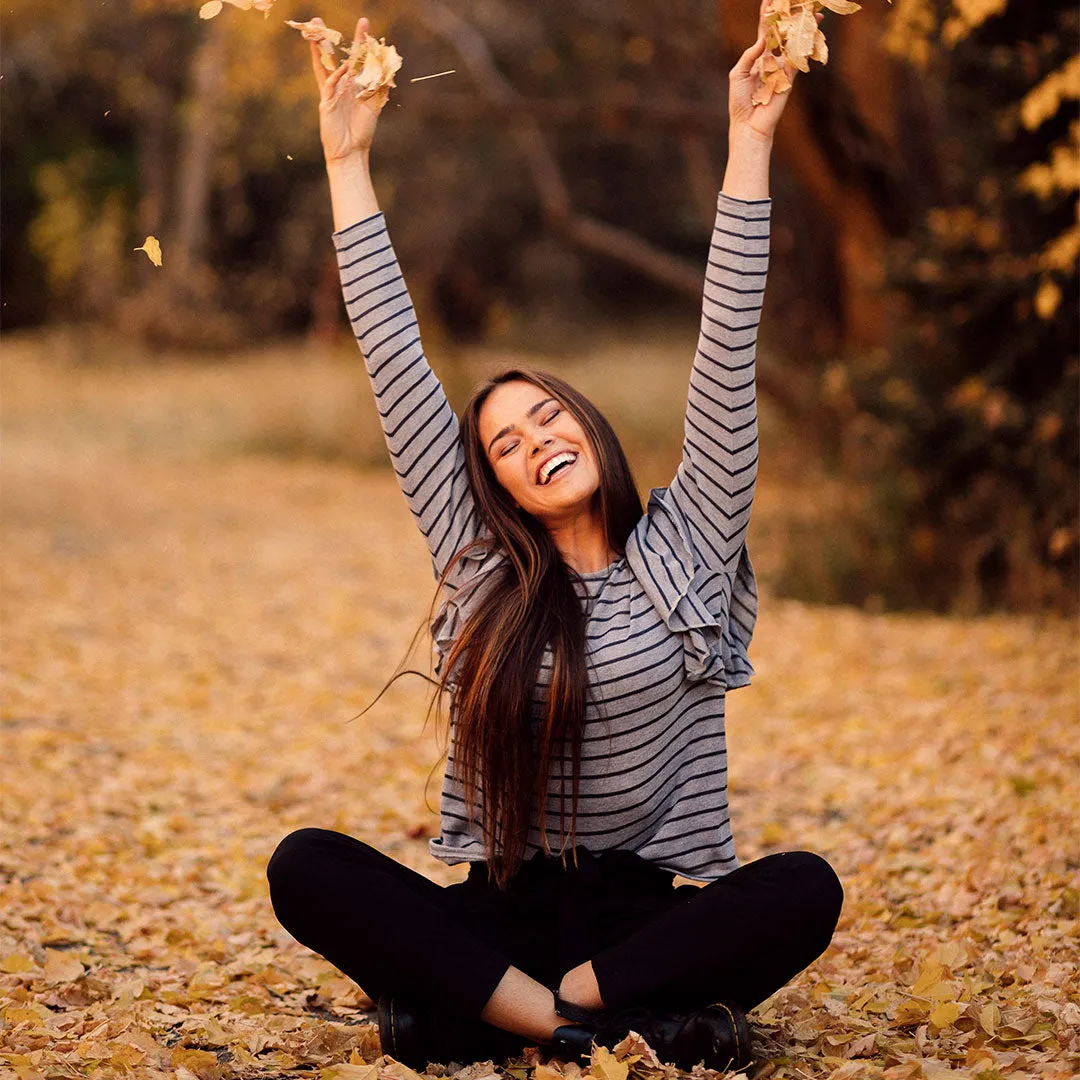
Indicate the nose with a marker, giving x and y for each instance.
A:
(539, 444)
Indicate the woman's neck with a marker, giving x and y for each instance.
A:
(582, 542)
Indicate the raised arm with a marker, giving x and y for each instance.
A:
(714, 485)
(421, 429)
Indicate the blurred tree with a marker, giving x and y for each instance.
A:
(976, 401)
(924, 244)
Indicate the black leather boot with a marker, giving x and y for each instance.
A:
(401, 1034)
(417, 1036)
(717, 1035)
(575, 1040)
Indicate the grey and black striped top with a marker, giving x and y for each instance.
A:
(668, 623)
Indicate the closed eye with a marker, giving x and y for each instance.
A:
(551, 415)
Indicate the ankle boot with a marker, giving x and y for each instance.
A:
(400, 1033)
(717, 1035)
(417, 1036)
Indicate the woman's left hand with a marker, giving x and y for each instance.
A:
(758, 121)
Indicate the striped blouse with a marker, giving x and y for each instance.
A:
(667, 624)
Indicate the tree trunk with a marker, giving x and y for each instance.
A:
(865, 75)
(198, 149)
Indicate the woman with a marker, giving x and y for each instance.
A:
(587, 648)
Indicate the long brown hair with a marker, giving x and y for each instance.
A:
(499, 750)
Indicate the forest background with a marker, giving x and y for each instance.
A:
(920, 339)
(209, 572)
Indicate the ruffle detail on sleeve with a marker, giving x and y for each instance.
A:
(714, 611)
(465, 588)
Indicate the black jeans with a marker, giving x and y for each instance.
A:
(739, 938)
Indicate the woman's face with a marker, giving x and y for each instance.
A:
(538, 451)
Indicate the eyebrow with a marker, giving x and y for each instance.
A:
(511, 427)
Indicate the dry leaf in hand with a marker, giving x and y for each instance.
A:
(372, 67)
(316, 30)
(792, 35)
(152, 249)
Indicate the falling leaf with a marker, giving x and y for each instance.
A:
(152, 249)
(213, 7)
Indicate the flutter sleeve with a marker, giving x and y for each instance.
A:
(420, 428)
(689, 550)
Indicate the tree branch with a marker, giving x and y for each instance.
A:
(587, 232)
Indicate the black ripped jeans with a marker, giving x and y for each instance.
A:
(739, 938)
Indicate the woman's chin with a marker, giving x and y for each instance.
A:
(569, 502)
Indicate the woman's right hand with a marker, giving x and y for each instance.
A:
(346, 125)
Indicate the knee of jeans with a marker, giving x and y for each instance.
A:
(292, 861)
(820, 889)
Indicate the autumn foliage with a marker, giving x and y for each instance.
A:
(920, 323)
(976, 401)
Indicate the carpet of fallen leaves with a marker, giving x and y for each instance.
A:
(185, 641)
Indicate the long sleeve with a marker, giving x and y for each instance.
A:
(714, 484)
(420, 428)
(689, 551)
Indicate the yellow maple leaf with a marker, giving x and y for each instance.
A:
(605, 1066)
(202, 1063)
(945, 1014)
(546, 1072)
(16, 963)
(989, 1018)
(152, 248)
(929, 974)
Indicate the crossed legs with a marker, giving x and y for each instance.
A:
(393, 931)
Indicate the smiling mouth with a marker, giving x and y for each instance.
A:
(555, 467)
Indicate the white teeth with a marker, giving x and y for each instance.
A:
(564, 458)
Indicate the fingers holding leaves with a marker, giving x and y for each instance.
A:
(793, 37)
(335, 84)
(749, 57)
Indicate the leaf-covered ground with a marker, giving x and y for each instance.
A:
(185, 641)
